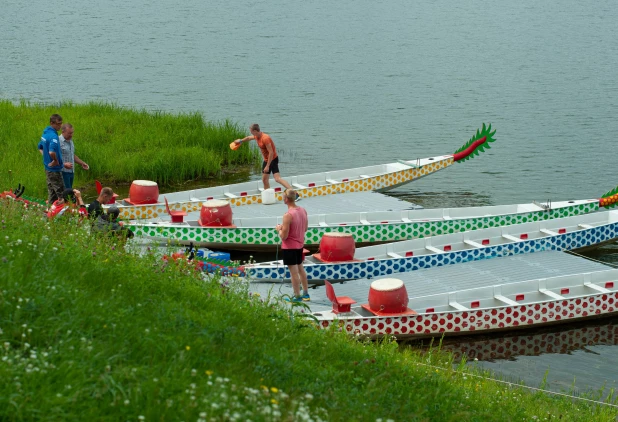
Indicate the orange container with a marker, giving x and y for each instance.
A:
(388, 295)
(215, 213)
(234, 146)
(337, 247)
(143, 192)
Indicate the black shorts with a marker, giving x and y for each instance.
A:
(292, 256)
(274, 166)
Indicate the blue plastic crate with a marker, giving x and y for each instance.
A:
(219, 255)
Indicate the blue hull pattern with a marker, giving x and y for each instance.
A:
(370, 269)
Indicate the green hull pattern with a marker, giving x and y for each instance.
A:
(373, 233)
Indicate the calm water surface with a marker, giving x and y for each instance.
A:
(354, 83)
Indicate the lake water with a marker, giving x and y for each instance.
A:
(354, 83)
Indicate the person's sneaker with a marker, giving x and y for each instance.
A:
(298, 197)
(306, 297)
(294, 299)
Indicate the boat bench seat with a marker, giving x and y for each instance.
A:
(506, 300)
(457, 305)
(551, 294)
(585, 226)
(299, 186)
(511, 238)
(230, 195)
(364, 176)
(473, 243)
(332, 181)
(549, 232)
(394, 255)
(596, 287)
(433, 249)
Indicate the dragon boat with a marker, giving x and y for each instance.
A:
(372, 178)
(349, 263)
(526, 304)
(259, 234)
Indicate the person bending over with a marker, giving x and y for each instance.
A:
(269, 153)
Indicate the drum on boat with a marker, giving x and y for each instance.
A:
(143, 192)
(388, 295)
(215, 213)
(336, 246)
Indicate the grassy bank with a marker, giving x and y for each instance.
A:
(91, 332)
(119, 144)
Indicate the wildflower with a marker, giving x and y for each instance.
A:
(126, 402)
(188, 347)
(274, 389)
(273, 401)
(209, 372)
(141, 417)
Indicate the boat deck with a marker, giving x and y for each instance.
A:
(451, 278)
(328, 204)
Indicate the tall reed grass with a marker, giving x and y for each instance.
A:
(89, 331)
(120, 144)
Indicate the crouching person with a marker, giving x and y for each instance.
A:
(71, 202)
(107, 223)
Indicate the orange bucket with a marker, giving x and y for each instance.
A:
(234, 146)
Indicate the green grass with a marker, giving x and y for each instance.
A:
(119, 144)
(89, 331)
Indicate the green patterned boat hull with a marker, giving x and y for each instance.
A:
(266, 238)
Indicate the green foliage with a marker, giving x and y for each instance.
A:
(119, 144)
(483, 132)
(611, 192)
(92, 331)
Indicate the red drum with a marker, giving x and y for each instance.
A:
(337, 246)
(388, 295)
(143, 192)
(215, 213)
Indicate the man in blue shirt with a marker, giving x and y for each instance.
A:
(49, 146)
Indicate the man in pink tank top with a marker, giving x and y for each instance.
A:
(292, 234)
